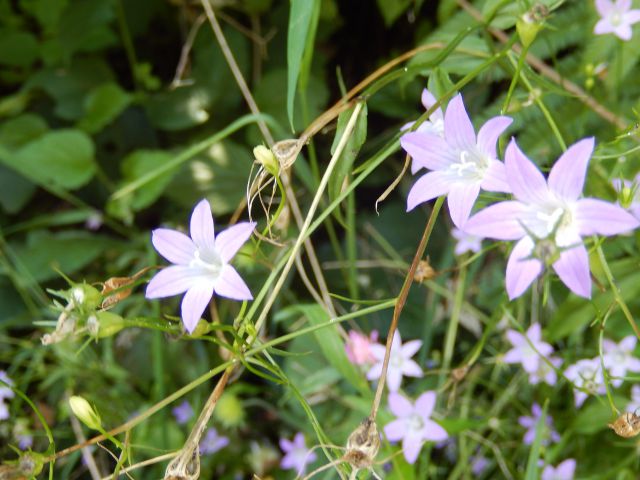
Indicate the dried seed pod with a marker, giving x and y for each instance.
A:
(363, 444)
(627, 425)
(424, 271)
(286, 152)
(115, 289)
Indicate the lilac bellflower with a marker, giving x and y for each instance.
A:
(201, 264)
(531, 424)
(413, 424)
(619, 358)
(564, 471)
(634, 404)
(212, 442)
(183, 412)
(400, 362)
(461, 162)
(527, 349)
(297, 455)
(549, 219)
(587, 376)
(465, 242)
(435, 123)
(616, 17)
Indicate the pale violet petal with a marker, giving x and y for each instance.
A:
(603, 27)
(201, 226)
(526, 181)
(489, 133)
(521, 271)
(427, 150)
(499, 221)
(593, 216)
(228, 242)
(513, 356)
(573, 269)
(194, 303)
(428, 187)
(399, 405)
(375, 372)
(534, 333)
(395, 430)
(411, 446)
(495, 178)
(394, 378)
(460, 201)
(231, 285)
(410, 348)
(411, 369)
(377, 351)
(603, 7)
(632, 16)
(425, 404)
(566, 469)
(458, 129)
(624, 32)
(567, 175)
(434, 432)
(173, 245)
(516, 338)
(172, 280)
(427, 98)
(623, 5)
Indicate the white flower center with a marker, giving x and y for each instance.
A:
(415, 423)
(396, 360)
(616, 18)
(472, 165)
(208, 261)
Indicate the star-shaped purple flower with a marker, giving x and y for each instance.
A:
(183, 412)
(201, 264)
(527, 349)
(466, 242)
(564, 471)
(587, 375)
(297, 455)
(619, 358)
(413, 424)
(400, 362)
(531, 423)
(435, 123)
(549, 219)
(634, 404)
(616, 18)
(212, 442)
(461, 162)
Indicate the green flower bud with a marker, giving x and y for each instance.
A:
(529, 24)
(85, 296)
(229, 411)
(85, 412)
(267, 159)
(104, 324)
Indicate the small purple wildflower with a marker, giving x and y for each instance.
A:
(358, 347)
(435, 124)
(634, 404)
(297, 455)
(531, 423)
(183, 412)
(546, 373)
(400, 363)
(527, 349)
(628, 194)
(461, 162)
(619, 359)
(564, 471)
(616, 18)
(413, 424)
(479, 463)
(466, 242)
(212, 442)
(549, 219)
(587, 375)
(201, 264)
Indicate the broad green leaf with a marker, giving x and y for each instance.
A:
(102, 106)
(300, 16)
(68, 251)
(16, 132)
(17, 48)
(47, 12)
(15, 190)
(345, 162)
(60, 159)
(332, 346)
(179, 109)
(137, 164)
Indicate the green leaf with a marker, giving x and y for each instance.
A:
(18, 131)
(60, 159)
(594, 417)
(350, 152)
(17, 49)
(102, 106)
(300, 16)
(332, 346)
(139, 163)
(392, 9)
(15, 191)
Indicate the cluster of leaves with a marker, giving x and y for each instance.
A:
(117, 116)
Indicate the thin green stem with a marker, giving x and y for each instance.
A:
(454, 322)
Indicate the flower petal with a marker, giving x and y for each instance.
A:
(434, 432)
(395, 430)
(411, 369)
(594, 216)
(428, 100)
(394, 378)
(521, 272)
(526, 181)
(410, 348)
(567, 175)
(460, 201)
(194, 303)
(489, 133)
(632, 16)
(425, 403)
(573, 269)
(399, 405)
(375, 371)
(228, 242)
(428, 187)
(172, 280)
(458, 129)
(495, 178)
(411, 446)
(603, 27)
(499, 221)
(624, 32)
(231, 285)
(603, 7)
(201, 227)
(427, 150)
(173, 245)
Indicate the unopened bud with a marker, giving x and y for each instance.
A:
(85, 412)
(267, 159)
(85, 296)
(104, 324)
(529, 24)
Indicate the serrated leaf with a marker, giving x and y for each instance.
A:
(59, 159)
(300, 17)
(102, 106)
(351, 149)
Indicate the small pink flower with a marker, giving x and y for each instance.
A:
(358, 347)
(616, 18)
(400, 362)
(413, 424)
